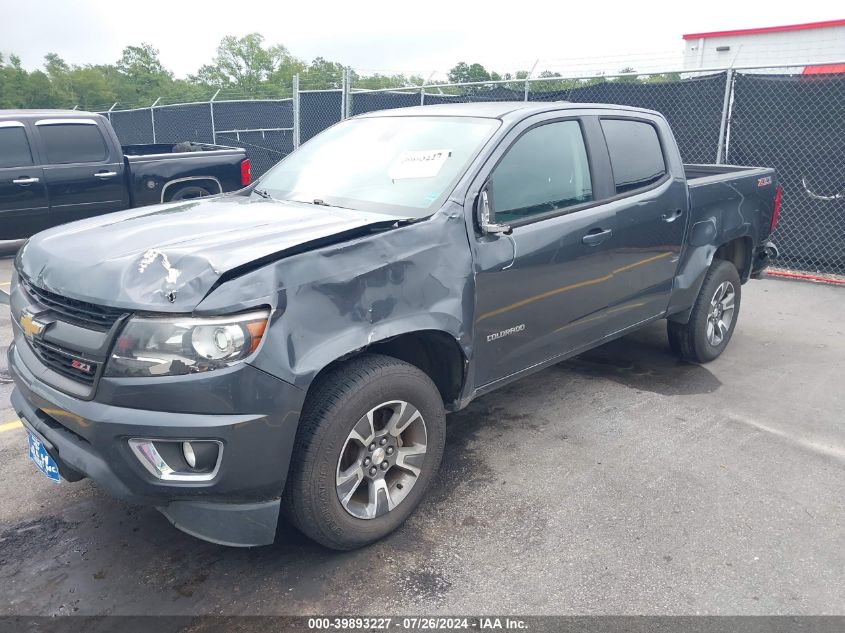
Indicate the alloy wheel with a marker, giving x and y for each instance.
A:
(381, 459)
(721, 313)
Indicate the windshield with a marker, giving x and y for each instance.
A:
(392, 164)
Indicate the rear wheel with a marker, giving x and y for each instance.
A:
(370, 441)
(713, 319)
(189, 193)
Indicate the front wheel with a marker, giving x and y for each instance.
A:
(713, 319)
(370, 441)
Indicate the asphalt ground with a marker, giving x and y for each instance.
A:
(620, 482)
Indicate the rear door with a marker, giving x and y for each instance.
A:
(23, 195)
(650, 200)
(84, 172)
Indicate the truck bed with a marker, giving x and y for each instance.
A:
(185, 147)
(215, 168)
(734, 199)
(701, 174)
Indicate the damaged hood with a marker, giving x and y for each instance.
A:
(167, 257)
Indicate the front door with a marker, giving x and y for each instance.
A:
(23, 195)
(543, 289)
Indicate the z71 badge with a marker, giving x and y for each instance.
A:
(765, 180)
(83, 367)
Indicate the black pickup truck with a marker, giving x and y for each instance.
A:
(295, 346)
(62, 165)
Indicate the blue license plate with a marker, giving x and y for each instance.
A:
(42, 459)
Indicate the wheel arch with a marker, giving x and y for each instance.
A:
(738, 250)
(434, 352)
(173, 186)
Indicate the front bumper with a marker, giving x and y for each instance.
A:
(89, 438)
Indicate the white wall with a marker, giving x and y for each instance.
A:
(799, 47)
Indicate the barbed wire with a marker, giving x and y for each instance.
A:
(644, 61)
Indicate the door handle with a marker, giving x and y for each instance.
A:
(105, 174)
(671, 216)
(25, 181)
(596, 237)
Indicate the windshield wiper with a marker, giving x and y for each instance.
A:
(263, 193)
(322, 203)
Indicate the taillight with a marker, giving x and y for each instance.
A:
(776, 210)
(246, 176)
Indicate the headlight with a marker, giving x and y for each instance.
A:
(168, 347)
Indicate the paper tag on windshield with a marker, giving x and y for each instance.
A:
(419, 164)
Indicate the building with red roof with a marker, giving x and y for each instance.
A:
(818, 47)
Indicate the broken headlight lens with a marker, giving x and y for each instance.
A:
(178, 346)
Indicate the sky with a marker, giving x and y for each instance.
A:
(423, 37)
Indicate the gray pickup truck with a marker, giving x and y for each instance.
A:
(294, 347)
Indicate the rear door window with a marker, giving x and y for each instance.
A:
(73, 143)
(635, 154)
(14, 147)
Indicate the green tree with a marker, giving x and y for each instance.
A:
(12, 82)
(322, 74)
(245, 65)
(58, 72)
(552, 82)
(91, 87)
(628, 78)
(663, 78)
(38, 92)
(378, 81)
(242, 67)
(466, 73)
(282, 77)
(141, 75)
(185, 91)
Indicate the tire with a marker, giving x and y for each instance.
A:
(326, 451)
(694, 340)
(189, 193)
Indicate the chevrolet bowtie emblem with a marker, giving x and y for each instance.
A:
(30, 326)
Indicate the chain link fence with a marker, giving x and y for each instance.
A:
(263, 128)
(786, 120)
(796, 123)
